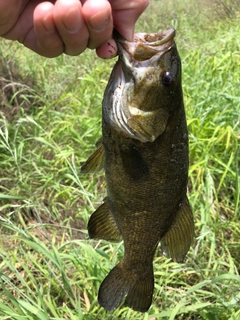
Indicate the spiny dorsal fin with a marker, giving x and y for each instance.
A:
(102, 225)
(96, 161)
(177, 241)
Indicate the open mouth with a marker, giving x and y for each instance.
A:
(144, 46)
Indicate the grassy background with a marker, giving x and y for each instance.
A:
(50, 113)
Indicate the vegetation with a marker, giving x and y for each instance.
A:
(50, 119)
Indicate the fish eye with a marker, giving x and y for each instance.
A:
(167, 78)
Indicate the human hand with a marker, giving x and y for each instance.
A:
(51, 28)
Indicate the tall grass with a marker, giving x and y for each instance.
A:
(50, 119)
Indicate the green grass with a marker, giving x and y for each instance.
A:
(50, 119)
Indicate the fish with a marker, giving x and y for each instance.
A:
(144, 153)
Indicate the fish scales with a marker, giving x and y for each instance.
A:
(144, 151)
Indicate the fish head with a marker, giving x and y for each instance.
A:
(146, 84)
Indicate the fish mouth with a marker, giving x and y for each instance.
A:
(142, 53)
(145, 45)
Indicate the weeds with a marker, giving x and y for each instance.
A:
(222, 9)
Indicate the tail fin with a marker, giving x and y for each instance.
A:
(138, 289)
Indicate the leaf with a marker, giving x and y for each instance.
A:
(33, 309)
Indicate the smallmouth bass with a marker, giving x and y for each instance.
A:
(144, 152)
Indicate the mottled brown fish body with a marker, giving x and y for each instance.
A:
(145, 143)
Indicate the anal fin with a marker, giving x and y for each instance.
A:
(102, 225)
(96, 161)
(177, 241)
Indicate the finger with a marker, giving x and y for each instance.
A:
(21, 19)
(98, 17)
(71, 26)
(8, 15)
(49, 42)
(125, 14)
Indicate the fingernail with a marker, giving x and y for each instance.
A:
(107, 50)
(72, 20)
(99, 21)
(112, 49)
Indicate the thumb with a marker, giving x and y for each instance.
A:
(125, 14)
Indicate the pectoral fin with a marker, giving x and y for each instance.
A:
(133, 161)
(102, 225)
(96, 161)
(177, 241)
